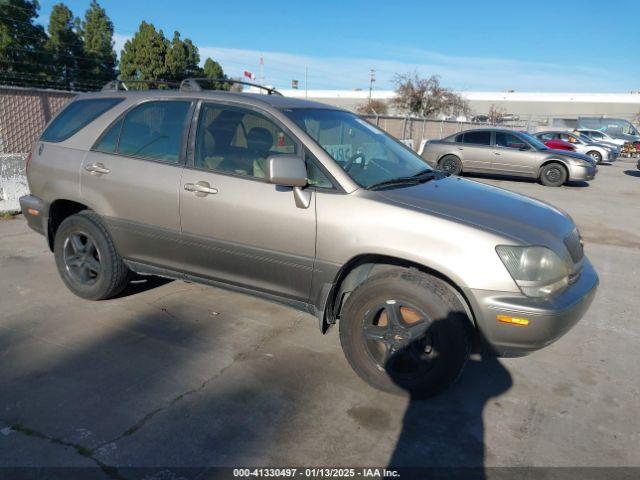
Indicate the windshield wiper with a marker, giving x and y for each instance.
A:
(420, 177)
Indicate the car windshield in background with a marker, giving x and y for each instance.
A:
(365, 152)
(536, 143)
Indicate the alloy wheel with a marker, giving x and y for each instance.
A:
(398, 339)
(82, 258)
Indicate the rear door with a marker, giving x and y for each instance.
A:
(513, 155)
(132, 179)
(236, 227)
(476, 150)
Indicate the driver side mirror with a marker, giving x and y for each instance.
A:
(286, 170)
(524, 147)
(290, 171)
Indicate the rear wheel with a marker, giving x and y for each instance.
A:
(450, 164)
(403, 330)
(86, 258)
(553, 175)
(595, 155)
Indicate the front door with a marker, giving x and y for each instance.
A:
(513, 155)
(236, 227)
(131, 178)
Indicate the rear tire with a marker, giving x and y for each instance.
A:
(86, 258)
(450, 164)
(553, 175)
(374, 334)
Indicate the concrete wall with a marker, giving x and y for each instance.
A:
(13, 181)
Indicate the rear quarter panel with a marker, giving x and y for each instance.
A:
(435, 150)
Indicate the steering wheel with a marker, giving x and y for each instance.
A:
(352, 161)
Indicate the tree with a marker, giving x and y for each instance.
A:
(21, 42)
(426, 97)
(144, 56)
(213, 69)
(99, 64)
(64, 45)
(374, 107)
(182, 59)
(495, 114)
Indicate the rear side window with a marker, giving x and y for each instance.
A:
(77, 115)
(478, 138)
(152, 130)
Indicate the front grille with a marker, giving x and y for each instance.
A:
(574, 245)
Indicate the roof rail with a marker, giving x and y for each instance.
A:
(193, 85)
(116, 85)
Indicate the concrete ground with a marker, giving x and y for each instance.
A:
(176, 374)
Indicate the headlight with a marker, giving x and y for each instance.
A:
(537, 271)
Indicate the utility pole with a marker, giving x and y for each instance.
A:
(372, 78)
(261, 70)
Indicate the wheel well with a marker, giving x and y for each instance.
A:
(447, 155)
(58, 211)
(358, 269)
(559, 162)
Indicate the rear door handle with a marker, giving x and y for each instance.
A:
(97, 168)
(201, 189)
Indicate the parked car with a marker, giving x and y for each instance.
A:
(311, 206)
(600, 153)
(602, 137)
(557, 144)
(507, 152)
(615, 127)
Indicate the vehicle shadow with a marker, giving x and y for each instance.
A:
(445, 434)
(632, 173)
(509, 178)
(142, 283)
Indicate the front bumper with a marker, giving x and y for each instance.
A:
(578, 172)
(36, 212)
(548, 318)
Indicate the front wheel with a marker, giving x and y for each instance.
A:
(86, 258)
(597, 156)
(405, 331)
(553, 175)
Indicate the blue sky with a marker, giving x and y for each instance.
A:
(579, 46)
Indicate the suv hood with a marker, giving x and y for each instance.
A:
(494, 209)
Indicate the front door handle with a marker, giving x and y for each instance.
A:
(497, 153)
(201, 189)
(97, 169)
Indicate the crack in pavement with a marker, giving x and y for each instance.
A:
(111, 472)
(237, 358)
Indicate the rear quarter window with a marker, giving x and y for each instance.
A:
(75, 116)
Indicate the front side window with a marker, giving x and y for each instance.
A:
(152, 130)
(75, 116)
(238, 141)
(478, 138)
(365, 152)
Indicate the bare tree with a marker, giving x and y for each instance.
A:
(495, 114)
(374, 107)
(426, 97)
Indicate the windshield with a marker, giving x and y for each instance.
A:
(535, 142)
(366, 153)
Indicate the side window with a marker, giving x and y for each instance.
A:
(546, 136)
(153, 130)
(316, 176)
(458, 138)
(75, 116)
(509, 141)
(478, 138)
(109, 141)
(238, 141)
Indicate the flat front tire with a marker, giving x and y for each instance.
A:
(86, 258)
(553, 175)
(405, 331)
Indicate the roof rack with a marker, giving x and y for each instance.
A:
(116, 85)
(193, 85)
